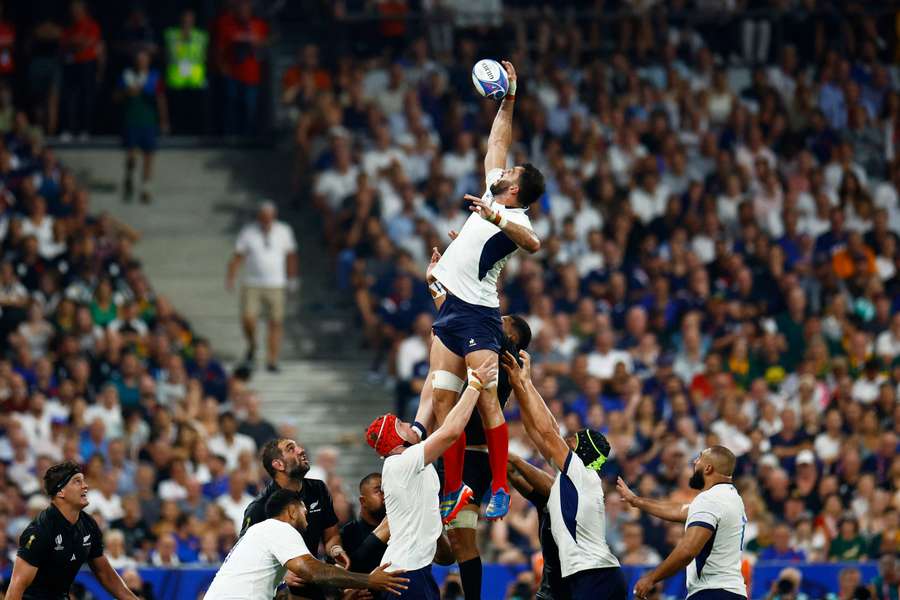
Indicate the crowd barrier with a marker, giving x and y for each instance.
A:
(189, 583)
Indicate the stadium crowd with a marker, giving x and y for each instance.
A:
(719, 260)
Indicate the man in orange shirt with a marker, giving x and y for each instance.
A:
(241, 40)
(853, 257)
(83, 53)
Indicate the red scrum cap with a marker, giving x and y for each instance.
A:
(382, 435)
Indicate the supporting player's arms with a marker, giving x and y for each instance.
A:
(687, 549)
(22, 576)
(109, 579)
(317, 572)
(524, 475)
(668, 511)
(332, 538)
(501, 130)
(455, 423)
(540, 424)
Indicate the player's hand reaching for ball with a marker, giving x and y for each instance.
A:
(625, 491)
(510, 70)
(381, 580)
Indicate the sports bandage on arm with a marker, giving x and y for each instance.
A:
(497, 218)
(423, 433)
(511, 92)
(437, 290)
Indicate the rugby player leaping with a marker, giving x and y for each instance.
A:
(468, 329)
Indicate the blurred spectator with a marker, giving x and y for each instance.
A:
(146, 115)
(634, 551)
(84, 53)
(186, 49)
(235, 502)
(254, 425)
(240, 43)
(849, 545)
(230, 444)
(268, 252)
(781, 548)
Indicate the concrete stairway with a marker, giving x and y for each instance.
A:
(201, 198)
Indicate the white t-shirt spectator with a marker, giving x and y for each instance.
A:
(886, 345)
(603, 365)
(732, 438)
(334, 186)
(234, 509)
(411, 351)
(136, 325)
(256, 564)
(170, 489)
(827, 448)
(44, 234)
(109, 508)
(647, 206)
(265, 254)
(111, 417)
(240, 443)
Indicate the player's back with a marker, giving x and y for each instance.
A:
(255, 565)
(578, 519)
(472, 263)
(411, 490)
(718, 566)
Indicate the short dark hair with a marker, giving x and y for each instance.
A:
(227, 415)
(58, 476)
(523, 331)
(531, 185)
(365, 480)
(280, 500)
(271, 451)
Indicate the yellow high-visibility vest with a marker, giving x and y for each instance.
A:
(187, 59)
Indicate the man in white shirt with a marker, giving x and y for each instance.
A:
(258, 562)
(714, 532)
(576, 504)
(411, 486)
(229, 443)
(268, 251)
(601, 363)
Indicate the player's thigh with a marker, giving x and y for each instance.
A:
(462, 533)
(250, 302)
(447, 376)
(478, 358)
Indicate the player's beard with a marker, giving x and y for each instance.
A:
(298, 471)
(698, 481)
(500, 186)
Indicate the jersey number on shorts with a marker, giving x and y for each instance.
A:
(498, 247)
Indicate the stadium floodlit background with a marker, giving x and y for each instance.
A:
(720, 259)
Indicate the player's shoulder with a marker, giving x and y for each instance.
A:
(88, 521)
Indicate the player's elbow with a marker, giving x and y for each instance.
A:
(533, 245)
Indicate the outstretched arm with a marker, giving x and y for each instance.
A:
(689, 547)
(527, 478)
(520, 235)
(668, 511)
(501, 130)
(315, 571)
(540, 424)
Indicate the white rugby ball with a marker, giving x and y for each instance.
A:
(490, 79)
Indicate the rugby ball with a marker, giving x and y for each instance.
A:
(490, 79)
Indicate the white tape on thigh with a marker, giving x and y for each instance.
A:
(470, 375)
(465, 519)
(445, 380)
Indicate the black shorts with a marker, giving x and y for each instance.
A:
(608, 584)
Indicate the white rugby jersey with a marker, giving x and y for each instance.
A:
(255, 566)
(473, 261)
(411, 491)
(578, 519)
(718, 566)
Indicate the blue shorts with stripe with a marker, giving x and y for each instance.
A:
(608, 584)
(421, 586)
(465, 328)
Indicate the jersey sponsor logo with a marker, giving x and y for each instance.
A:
(59, 545)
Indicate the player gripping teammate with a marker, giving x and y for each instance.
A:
(713, 537)
(411, 486)
(576, 502)
(468, 329)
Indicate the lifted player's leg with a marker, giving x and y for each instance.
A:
(497, 436)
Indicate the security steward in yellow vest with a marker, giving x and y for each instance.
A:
(186, 75)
